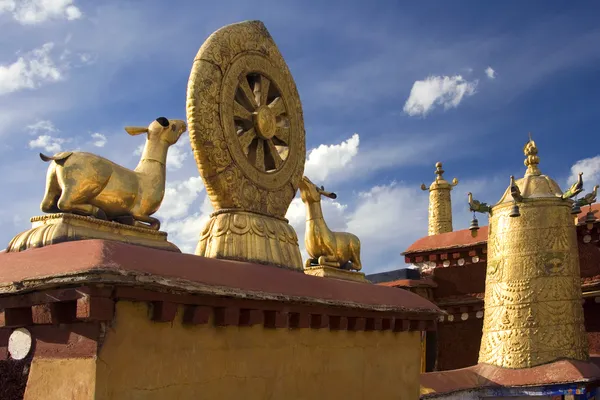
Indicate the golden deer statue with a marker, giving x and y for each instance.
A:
(326, 248)
(87, 184)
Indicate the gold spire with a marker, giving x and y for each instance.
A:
(532, 160)
(440, 202)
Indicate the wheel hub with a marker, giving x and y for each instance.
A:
(265, 122)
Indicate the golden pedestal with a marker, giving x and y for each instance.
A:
(246, 236)
(62, 227)
(336, 273)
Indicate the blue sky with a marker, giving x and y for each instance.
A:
(388, 88)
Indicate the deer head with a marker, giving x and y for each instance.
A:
(312, 193)
(161, 129)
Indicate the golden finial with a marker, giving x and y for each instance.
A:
(532, 160)
(439, 171)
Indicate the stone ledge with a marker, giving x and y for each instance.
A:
(96, 304)
(91, 262)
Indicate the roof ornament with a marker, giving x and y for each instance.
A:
(515, 192)
(476, 206)
(532, 160)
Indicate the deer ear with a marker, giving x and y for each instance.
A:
(135, 130)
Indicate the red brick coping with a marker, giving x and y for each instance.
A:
(66, 293)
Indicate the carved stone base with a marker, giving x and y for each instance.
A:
(63, 227)
(336, 273)
(245, 236)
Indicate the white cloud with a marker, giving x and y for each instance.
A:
(30, 12)
(48, 143)
(591, 172)
(99, 139)
(185, 232)
(177, 154)
(489, 71)
(325, 159)
(42, 126)
(30, 71)
(179, 196)
(445, 91)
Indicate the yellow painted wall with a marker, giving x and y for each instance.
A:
(141, 359)
(55, 378)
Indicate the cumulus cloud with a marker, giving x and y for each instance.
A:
(446, 91)
(30, 71)
(99, 140)
(44, 126)
(30, 12)
(178, 153)
(48, 143)
(591, 172)
(185, 232)
(177, 215)
(489, 71)
(179, 196)
(325, 159)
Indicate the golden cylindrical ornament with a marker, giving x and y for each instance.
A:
(533, 312)
(440, 203)
(440, 210)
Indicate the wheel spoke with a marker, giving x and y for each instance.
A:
(246, 139)
(282, 135)
(277, 161)
(277, 106)
(259, 160)
(261, 90)
(241, 112)
(247, 92)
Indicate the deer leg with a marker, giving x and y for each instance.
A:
(140, 219)
(329, 261)
(67, 204)
(53, 191)
(355, 256)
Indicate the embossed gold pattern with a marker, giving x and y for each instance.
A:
(57, 228)
(440, 203)
(247, 236)
(533, 312)
(247, 134)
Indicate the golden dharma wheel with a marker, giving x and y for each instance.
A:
(245, 121)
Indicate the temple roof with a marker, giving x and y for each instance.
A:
(483, 376)
(450, 240)
(463, 238)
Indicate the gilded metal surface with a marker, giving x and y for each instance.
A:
(533, 312)
(87, 184)
(324, 247)
(575, 188)
(246, 236)
(589, 198)
(477, 206)
(246, 131)
(440, 202)
(245, 121)
(336, 273)
(57, 228)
